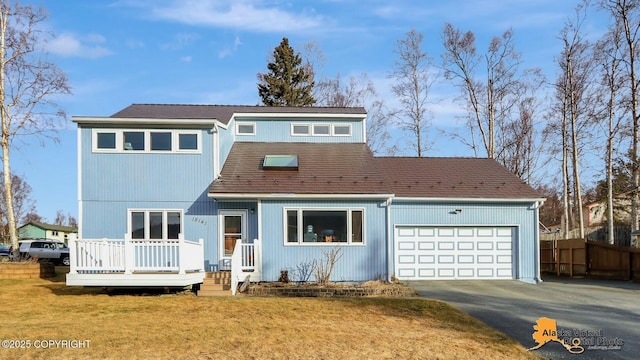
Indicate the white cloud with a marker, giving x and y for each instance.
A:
(244, 15)
(70, 45)
(180, 41)
(186, 58)
(230, 50)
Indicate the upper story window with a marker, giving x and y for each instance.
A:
(106, 140)
(342, 130)
(133, 140)
(161, 141)
(298, 129)
(149, 141)
(245, 128)
(188, 141)
(321, 129)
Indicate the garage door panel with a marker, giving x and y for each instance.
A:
(486, 273)
(446, 232)
(446, 245)
(426, 245)
(426, 232)
(446, 272)
(430, 252)
(466, 273)
(465, 232)
(407, 273)
(427, 273)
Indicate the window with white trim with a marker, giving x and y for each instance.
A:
(300, 129)
(341, 129)
(148, 140)
(245, 128)
(321, 129)
(154, 224)
(324, 226)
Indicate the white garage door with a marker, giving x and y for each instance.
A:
(431, 252)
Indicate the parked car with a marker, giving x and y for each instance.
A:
(4, 250)
(44, 250)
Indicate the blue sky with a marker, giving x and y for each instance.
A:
(118, 52)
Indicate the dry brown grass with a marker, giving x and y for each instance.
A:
(183, 326)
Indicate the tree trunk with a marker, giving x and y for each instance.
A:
(5, 143)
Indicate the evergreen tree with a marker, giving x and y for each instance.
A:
(288, 82)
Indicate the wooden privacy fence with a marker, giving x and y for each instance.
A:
(579, 257)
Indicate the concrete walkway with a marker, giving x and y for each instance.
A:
(513, 307)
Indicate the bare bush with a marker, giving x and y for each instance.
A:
(323, 268)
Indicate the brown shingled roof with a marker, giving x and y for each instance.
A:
(222, 113)
(351, 169)
(343, 168)
(452, 178)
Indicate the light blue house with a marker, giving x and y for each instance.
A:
(169, 192)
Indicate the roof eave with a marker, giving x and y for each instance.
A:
(297, 196)
(300, 115)
(91, 120)
(469, 199)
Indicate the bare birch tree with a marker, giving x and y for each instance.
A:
(626, 16)
(28, 86)
(607, 53)
(501, 100)
(574, 113)
(413, 72)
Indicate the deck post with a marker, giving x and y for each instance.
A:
(182, 255)
(73, 266)
(129, 255)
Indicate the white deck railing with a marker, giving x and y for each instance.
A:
(128, 255)
(246, 261)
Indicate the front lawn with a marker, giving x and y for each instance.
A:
(183, 326)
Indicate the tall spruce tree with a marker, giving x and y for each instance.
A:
(288, 82)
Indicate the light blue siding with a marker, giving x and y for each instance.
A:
(280, 131)
(358, 262)
(129, 176)
(522, 216)
(226, 138)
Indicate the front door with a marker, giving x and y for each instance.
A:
(233, 226)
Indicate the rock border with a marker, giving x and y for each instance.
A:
(337, 292)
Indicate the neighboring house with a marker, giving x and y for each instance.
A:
(597, 210)
(40, 230)
(167, 192)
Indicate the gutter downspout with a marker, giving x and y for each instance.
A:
(536, 207)
(216, 151)
(389, 239)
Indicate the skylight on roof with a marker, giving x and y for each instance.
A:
(286, 162)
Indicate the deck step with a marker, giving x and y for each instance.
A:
(216, 284)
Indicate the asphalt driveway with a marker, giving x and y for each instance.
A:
(608, 310)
